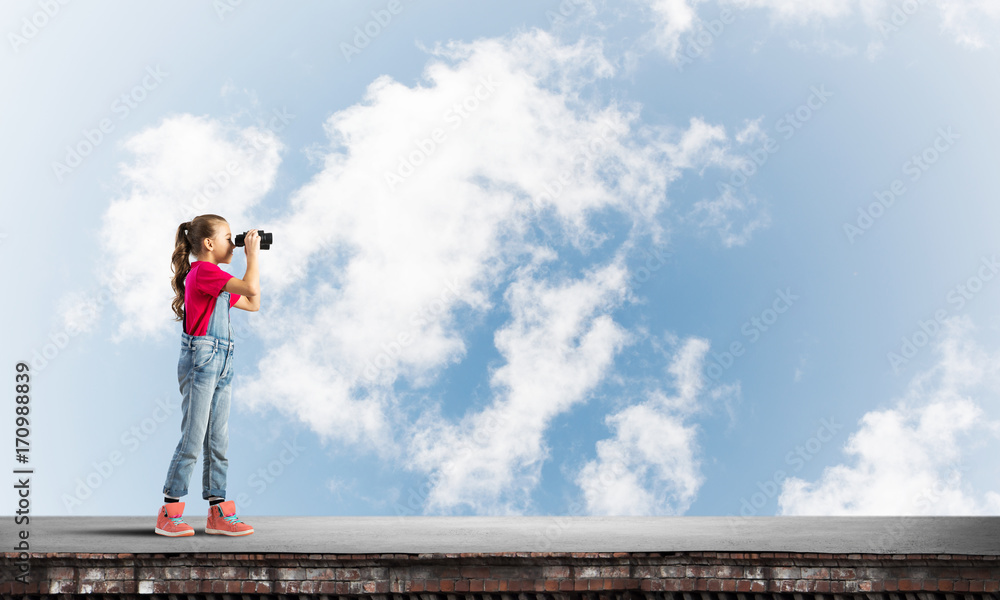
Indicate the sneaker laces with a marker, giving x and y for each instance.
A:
(231, 518)
(177, 520)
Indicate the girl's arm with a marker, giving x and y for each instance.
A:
(250, 303)
(249, 287)
(250, 284)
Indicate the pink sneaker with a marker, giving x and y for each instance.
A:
(169, 522)
(222, 520)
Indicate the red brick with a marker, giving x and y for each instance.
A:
(815, 573)
(842, 573)
(493, 585)
(475, 572)
(728, 571)
(580, 585)
(462, 585)
(63, 586)
(54, 573)
(447, 585)
(728, 585)
(327, 587)
(977, 585)
(672, 571)
(614, 572)
(415, 586)
(743, 585)
(945, 585)
(758, 586)
(823, 587)
(321, 574)
(909, 585)
(248, 587)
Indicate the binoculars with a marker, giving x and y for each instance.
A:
(265, 239)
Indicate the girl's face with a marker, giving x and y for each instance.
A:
(222, 246)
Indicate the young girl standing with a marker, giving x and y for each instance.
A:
(205, 368)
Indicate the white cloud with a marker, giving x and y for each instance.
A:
(673, 18)
(650, 465)
(800, 10)
(970, 23)
(183, 167)
(920, 456)
(720, 215)
(401, 257)
(973, 23)
(558, 345)
(429, 201)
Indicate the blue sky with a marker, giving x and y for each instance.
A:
(654, 257)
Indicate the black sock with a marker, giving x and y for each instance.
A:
(168, 500)
(216, 501)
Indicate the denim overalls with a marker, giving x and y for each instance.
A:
(205, 375)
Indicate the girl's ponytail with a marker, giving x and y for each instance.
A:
(180, 266)
(189, 239)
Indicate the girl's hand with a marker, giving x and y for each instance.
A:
(251, 243)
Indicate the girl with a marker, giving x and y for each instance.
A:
(205, 368)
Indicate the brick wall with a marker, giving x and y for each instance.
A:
(513, 576)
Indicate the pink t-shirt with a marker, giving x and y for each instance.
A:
(202, 287)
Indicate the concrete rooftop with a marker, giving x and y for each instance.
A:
(416, 535)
